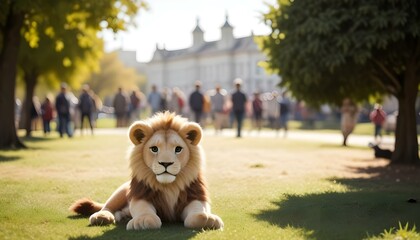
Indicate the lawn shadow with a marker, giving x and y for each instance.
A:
(168, 231)
(4, 158)
(369, 207)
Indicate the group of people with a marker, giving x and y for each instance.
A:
(226, 110)
(235, 107)
(67, 109)
(127, 107)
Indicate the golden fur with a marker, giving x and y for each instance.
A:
(167, 182)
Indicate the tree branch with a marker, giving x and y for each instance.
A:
(394, 81)
(390, 89)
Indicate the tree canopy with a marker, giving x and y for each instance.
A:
(52, 38)
(329, 50)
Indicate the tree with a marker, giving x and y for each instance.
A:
(355, 49)
(20, 18)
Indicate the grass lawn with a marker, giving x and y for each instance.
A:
(263, 188)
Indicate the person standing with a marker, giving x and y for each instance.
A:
(154, 99)
(284, 112)
(120, 107)
(196, 102)
(177, 102)
(349, 115)
(135, 104)
(218, 102)
(47, 115)
(62, 106)
(378, 117)
(86, 106)
(238, 105)
(272, 109)
(257, 110)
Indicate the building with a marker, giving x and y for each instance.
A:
(216, 62)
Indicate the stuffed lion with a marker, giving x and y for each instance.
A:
(167, 182)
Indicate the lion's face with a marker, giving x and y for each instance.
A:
(166, 149)
(166, 153)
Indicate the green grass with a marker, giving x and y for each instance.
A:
(253, 189)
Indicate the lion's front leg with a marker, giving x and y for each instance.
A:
(144, 216)
(198, 215)
(117, 201)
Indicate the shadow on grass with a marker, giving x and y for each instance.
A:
(8, 158)
(168, 231)
(35, 139)
(370, 206)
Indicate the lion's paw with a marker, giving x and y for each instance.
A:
(148, 221)
(203, 220)
(102, 217)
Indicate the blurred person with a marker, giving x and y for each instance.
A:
(218, 105)
(196, 102)
(120, 105)
(284, 112)
(35, 113)
(86, 106)
(164, 100)
(378, 117)
(135, 106)
(257, 111)
(154, 100)
(349, 116)
(47, 113)
(62, 106)
(239, 101)
(273, 109)
(177, 101)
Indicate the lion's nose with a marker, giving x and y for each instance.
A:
(166, 164)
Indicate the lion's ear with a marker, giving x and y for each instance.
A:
(192, 131)
(139, 132)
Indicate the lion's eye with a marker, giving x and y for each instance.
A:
(154, 149)
(178, 149)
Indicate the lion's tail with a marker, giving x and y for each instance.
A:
(86, 206)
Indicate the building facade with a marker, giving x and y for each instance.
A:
(211, 63)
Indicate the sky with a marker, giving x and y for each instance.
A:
(169, 24)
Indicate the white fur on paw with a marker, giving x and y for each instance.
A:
(204, 221)
(102, 217)
(122, 214)
(148, 221)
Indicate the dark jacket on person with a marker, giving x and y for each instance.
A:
(196, 101)
(62, 104)
(85, 103)
(238, 101)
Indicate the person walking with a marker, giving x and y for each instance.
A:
(86, 106)
(47, 111)
(257, 111)
(154, 100)
(196, 102)
(218, 104)
(349, 116)
(62, 106)
(120, 107)
(239, 100)
(135, 105)
(284, 112)
(378, 117)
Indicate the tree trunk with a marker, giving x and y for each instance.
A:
(31, 78)
(406, 143)
(8, 64)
